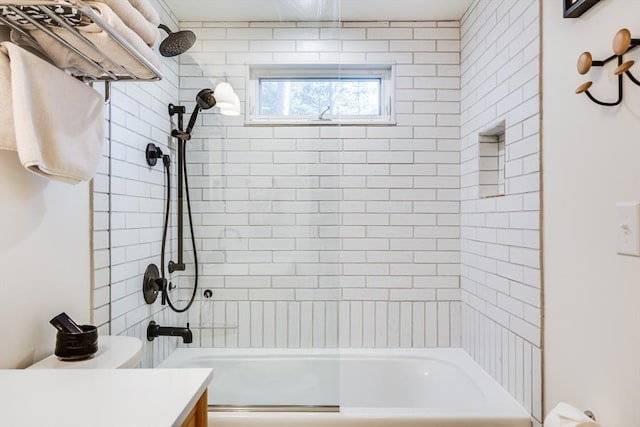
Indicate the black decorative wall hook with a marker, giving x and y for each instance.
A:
(622, 44)
(585, 62)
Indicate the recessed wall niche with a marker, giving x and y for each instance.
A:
(491, 160)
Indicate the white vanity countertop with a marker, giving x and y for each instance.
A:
(99, 398)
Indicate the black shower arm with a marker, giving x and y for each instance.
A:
(165, 28)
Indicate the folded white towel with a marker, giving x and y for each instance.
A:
(147, 11)
(7, 130)
(67, 59)
(59, 121)
(111, 48)
(61, 56)
(132, 18)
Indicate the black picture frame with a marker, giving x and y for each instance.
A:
(575, 8)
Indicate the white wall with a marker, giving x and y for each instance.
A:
(44, 258)
(500, 236)
(591, 158)
(326, 236)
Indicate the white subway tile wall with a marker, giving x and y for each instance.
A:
(500, 236)
(128, 207)
(326, 236)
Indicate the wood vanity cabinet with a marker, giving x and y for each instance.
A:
(198, 415)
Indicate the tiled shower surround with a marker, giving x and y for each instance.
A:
(500, 236)
(349, 236)
(128, 207)
(325, 236)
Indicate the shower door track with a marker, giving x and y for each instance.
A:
(274, 408)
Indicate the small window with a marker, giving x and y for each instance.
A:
(319, 94)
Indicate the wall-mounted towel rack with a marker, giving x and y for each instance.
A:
(55, 15)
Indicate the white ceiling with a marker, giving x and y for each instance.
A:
(318, 10)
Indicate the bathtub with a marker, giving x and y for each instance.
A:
(379, 388)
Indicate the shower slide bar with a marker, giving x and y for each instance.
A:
(49, 7)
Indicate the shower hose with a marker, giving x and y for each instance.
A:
(167, 167)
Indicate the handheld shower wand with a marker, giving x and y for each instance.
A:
(204, 101)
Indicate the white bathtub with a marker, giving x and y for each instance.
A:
(381, 388)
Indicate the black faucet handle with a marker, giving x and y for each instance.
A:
(188, 326)
(153, 153)
(160, 284)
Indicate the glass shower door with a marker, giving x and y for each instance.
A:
(267, 208)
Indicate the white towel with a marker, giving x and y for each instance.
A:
(147, 11)
(61, 56)
(106, 44)
(132, 18)
(59, 121)
(67, 59)
(7, 130)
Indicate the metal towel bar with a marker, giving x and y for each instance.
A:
(114, 73)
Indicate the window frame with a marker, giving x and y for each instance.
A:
(385, 72)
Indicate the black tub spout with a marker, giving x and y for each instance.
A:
(154, 330)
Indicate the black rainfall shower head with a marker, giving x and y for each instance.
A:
(176, 43)
(205, 99)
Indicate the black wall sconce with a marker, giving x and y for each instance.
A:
(622, 44)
